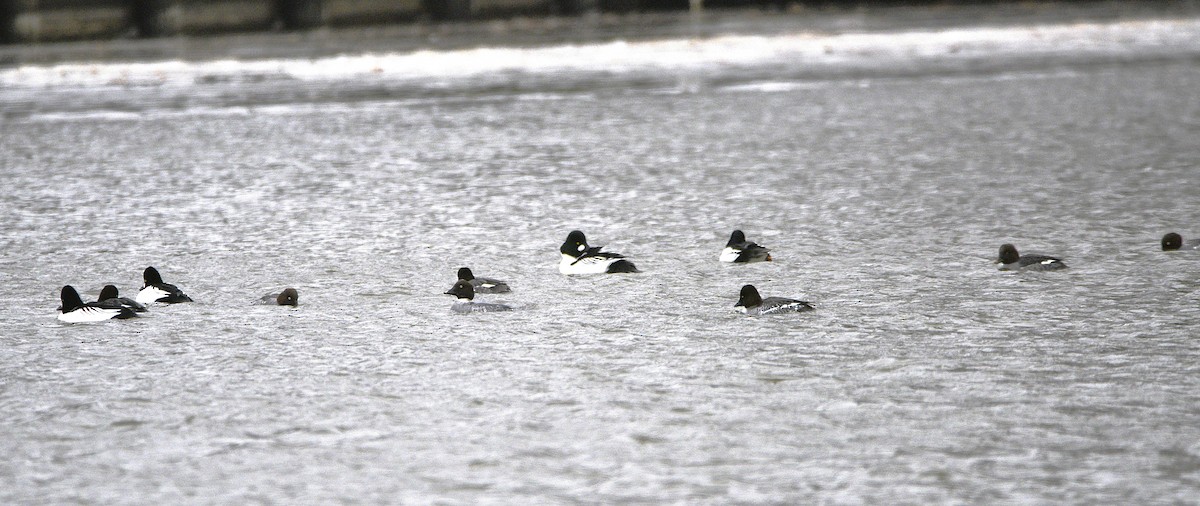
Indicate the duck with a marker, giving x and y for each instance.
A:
(483, 285)
(465, 303)
(157, 291)
(288, 297)
(738, 250)
(1174, 242)
(1013, 261)
(578, 258)
(74, 310)
(110, 295)
(751, 303)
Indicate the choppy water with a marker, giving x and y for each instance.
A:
(884, 170)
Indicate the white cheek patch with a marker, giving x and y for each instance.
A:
(581, 247)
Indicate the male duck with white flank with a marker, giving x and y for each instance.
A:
(578, 258)
(157, 291)
(74, 310)
(739, 250)
(110, 295)
(751, 303)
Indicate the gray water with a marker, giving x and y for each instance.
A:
(884, 189)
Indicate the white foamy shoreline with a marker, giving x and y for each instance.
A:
(1176, 36)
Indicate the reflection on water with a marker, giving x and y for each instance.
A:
(883, 189)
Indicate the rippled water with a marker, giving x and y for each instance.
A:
(884, 185)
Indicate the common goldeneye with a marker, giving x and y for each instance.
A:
(74, 310)
(578, 258)
(738, 250)
(751, 303)
(465, 302)
(157, 291)
(288, 297)
(1173, 241)
(1013, 261)
(483, 285)
(109, 295)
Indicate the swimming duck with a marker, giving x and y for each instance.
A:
(578, 258)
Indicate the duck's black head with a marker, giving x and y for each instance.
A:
(748, 297)
(1008, 254)
(152, 277)
(465, 273)
(108, 292)
(288, 297)
(575, 244)
(70, 299)
(1172, 241)
(462, 289)
(736, 238)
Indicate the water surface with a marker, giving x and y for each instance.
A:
(884, 169)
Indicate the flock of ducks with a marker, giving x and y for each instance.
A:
(577, 258)
(111, 306)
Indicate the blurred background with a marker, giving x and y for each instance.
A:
(62, 20)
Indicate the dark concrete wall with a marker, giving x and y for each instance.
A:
(51, 20)
(56, 20)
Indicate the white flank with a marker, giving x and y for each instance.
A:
(87, 314)
(789, 306)
(151, 294)
(589, 265)
(683, 54)
(729, 254)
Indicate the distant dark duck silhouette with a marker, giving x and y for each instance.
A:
(109, 295)
(1013, 261)
(1174, 242)
(465, 303)
(288, 297)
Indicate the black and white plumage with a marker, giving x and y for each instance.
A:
(578, 258)
(483, 285)
(751, 303)
(110, 295)
(465, 303)
(1013, 261)
(288, 297)
(1175, 242)
(74, 310)
(739, 250)
(157, 291)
